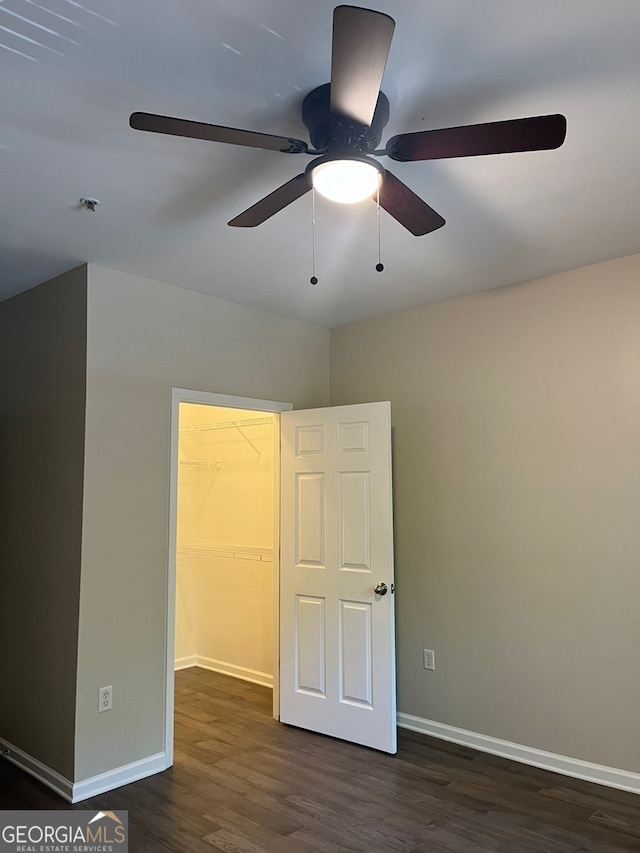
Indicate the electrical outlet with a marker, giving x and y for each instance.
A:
(429, 659)
(105, 699)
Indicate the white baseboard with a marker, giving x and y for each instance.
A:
(38, 770)
(252, 675)
(119, 776)
(598, 773)
(75, 792)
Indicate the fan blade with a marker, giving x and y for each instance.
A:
(215, 133)
(497, 137)
(361, 42)
(272, 203)
(408, 208)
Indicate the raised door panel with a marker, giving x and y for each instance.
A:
(355, 661)
(310, 645)
(309, 521)
(353, 521)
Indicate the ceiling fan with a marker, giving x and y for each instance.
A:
(345, 119)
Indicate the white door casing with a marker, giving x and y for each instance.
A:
(337, 642)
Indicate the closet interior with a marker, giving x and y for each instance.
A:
(225, 537)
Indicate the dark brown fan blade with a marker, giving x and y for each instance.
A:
(408, 208)
(272, 203)
(215, 133)
(497, 137)
(361, 42)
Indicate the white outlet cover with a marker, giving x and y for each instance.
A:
(105, 699)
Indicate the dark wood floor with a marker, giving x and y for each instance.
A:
(243, 783)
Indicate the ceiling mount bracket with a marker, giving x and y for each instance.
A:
(90, 203)
(328, 130)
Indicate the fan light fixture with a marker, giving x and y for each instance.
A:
(345, 119)
(346, 181)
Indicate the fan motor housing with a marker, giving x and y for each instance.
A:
(329, 131)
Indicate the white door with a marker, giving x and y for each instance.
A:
(337, 643)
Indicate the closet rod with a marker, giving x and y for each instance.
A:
(227, 425)
(194, 463)
(239, 552)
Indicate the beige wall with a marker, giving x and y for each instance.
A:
(516, 418)
(516, 430)
(42, 376)
(143, 338)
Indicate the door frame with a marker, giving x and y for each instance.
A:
(207, 398)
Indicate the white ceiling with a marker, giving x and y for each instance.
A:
(71, 72)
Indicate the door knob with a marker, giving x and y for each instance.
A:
(380, 589)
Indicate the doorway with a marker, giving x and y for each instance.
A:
(333, 639)
(222, 609)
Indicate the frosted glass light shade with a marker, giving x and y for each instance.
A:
(346, 181)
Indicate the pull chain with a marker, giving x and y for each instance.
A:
(313, 278)
(379, 265)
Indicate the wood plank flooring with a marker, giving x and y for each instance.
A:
(243, 783)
